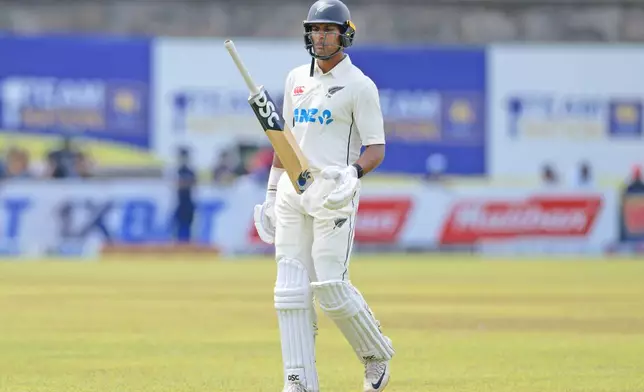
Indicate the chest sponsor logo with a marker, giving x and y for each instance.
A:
(312, 115)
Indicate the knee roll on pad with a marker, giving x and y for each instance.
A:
(345, 305)
(292, 287)
(295, 313)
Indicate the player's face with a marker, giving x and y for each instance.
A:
(325, 37)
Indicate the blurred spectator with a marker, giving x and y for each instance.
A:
(585, 178)
(16, 164)
(548, 176)
(636, 184)
(185, 210)
(83, 165)
(62, 163)
(630, 228)
(228, 168)
(259, 166)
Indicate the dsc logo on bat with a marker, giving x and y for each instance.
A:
(312, 115)
(265, 110)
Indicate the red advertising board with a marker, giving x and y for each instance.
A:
(472, 221)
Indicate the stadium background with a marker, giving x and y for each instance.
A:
(493, 145)
(509, 198)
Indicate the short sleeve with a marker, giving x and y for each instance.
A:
(368, 114)
(287, 104)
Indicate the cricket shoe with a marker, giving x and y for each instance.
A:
(376, 374)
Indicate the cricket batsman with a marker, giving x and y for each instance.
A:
(333, 110)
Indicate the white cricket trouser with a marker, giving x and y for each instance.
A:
(311, 240)
(319, 238)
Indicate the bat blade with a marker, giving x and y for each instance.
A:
(292, 159)
(278, 133)
(282, 140)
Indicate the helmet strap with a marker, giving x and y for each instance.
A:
(314, 57)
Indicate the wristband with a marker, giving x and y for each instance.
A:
(359, 170)
(273, 179)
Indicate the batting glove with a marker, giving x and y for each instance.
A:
(264, 217)
(346, 185)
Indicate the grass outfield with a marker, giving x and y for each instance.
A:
(457, 324)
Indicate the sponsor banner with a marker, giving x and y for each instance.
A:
(562, 107)
(540, 222)
(92, 89)
(433, 106)
(50, 218)
(551, 117)
(201, 100)
(472, 221)
(381, 219)
(41, 218)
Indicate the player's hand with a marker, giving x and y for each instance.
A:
(346, 185)
(264, 216)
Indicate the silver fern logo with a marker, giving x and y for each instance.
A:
(322, 7)
(333, 90)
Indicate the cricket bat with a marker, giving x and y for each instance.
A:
(279, 134)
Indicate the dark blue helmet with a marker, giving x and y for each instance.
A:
(329, 11)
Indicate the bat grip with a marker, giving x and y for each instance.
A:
(230, 46)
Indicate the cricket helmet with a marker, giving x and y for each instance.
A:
(329, 11)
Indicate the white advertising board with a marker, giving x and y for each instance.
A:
(562, 105)
(41, 218)
(200, 99)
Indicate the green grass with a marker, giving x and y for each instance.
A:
(458, 324)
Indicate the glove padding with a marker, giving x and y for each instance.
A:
(346, 186)
(264, 217)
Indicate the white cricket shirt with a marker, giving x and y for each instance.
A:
(332, 115)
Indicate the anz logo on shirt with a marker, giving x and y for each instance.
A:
(312, 115)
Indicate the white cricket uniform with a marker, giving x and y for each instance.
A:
(332, 116)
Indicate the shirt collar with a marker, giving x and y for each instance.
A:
(340, 68)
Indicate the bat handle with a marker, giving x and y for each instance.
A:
(230, 46)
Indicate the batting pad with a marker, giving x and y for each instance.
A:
(345, 305)
(293, 302)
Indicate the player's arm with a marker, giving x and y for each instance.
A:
(368, 120)
(371, 158)
(370, 125)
